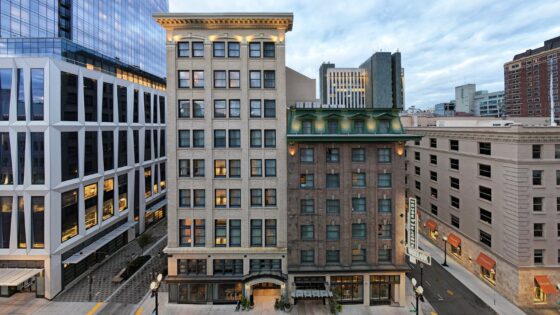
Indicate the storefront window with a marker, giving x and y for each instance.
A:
(381, 288)
(348, 289)
(227, 292)
(489, 275)
(539, 295)
(456, 250)
(90, 197)
(108, 198)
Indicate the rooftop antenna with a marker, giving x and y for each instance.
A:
(550, 66)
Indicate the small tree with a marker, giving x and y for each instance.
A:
(143, 241)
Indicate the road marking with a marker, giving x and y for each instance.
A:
(449, 292)
(428, 283)
(94, 309)
(139, 311)
(434, 313)
(440, 298)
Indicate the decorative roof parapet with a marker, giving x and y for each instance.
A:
(225, 20)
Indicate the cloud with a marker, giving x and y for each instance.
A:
(444, 43)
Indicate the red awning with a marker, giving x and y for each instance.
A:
(545, 284)
(485, 261)
(453, 240)
(431, 224)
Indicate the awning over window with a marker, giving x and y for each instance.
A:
(16, 276)
(453, 240)
(545, 284)
(431, 224)
(311, 294)
(485, 261)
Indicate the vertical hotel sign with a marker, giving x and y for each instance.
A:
(412, 225)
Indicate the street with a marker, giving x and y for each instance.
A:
(446, 294)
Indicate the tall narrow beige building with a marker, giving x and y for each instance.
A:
(227, 154)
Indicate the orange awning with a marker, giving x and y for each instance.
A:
(545, 284)
(431, 224)
(453, 240)
(485, 261)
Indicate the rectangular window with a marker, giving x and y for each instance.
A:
(384, 180)
(333, 232)
(454, 164)
(433, 143)
(183, 49)
(256, 197)
(68, 96)
(226, 267)
(269, 79)
(538, 256)
(358, 155)
(538, 229)
(68, 215)
(255, 50)
(234, 79)
(219, 138)
(270, 232)
(234, 168)
(268, 49)
(233, 49)
(256, 232)
(333, 256)
(107, 136)
(220, 233)
(192, 267)
(184, 138)
(417, 156)
(270, 197)
(184, 79)
(37, 222)
(255, 79)
(184, 109)
(306, 127)
(256, 168)
(184, 198)
(485, 216)
(123, 148)
(5, 92)
(384, 255)
(333, 155)
(433, 159)
(270, 167)
(198, 79)
(536, 151)
(333, 206)
(199, 232)
(235, 198)
(454, 145)
(185, 233)
(557, 177)
(454, 182)
(455, 221)
(307, 256)
(256, 138)
(433, 176)
(220, 169)
(455, 203)
(557, 151)
(198, 108)
(537, 204)
(38, 158)
(434, 209)
(417, 170)
(359, 204)
(20, 157)
(220, 198)
(108, 198)
(537, 177)
(485, 148)
(37, 93)
(485, 238)
(21, 240)
(220, 109)
(307, 233)
(234, 233)
(306, 155)
(90, 99)
(417, 185)
(198, 168)
(198, 49)
(385, 231)
(107, 103)
(485, 170)
(255, 108)
(234, 138)
(306, 181)
(485, 193)
(6, 220)
(69, 155)
(333, 181)
(384, 155)
(269, 108)
(219, 49)
(220, 79)
(359, 231)
(199, 198)
(433, 192)
(270, 138)
(198, 138)
(359, 180)
(384, 206)
(307, 206)
(358, 255)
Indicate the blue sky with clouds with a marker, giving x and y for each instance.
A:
(444, 43)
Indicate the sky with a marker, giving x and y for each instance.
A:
(444, 43)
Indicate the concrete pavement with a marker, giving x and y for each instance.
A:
(487, 294)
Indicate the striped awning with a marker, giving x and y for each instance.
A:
(431, 224)
(485, 261)
(545, 285)
(16, 276)
(453, 240)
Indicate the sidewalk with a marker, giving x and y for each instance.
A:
(502, 306)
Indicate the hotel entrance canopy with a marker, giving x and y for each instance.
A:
(15, 276)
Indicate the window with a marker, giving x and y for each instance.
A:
(333, 206)
(270, 138)
(198, 168)
(268, 49)
(226, 267)
(270, 167)
(358, 255)
(557, 177)
(269, 79)
(254, 50)
(538, 229)
(255, 79)
(384, 180)
(270, 232)
(333, 256)
(433, 159)
(307, 233)
(538, 256)
(359, 204)
(359, 231)
(233, 50)
(434, 209)
(358, 180)
(198, 49)
(454, 182)
(307, 256)
(37, 222)
(107, 103)
(385, 231)
(234, 233)
(269, 108)
(417, 185)
(358, 155)
(333, 155)
(433, 192)
(219, 49)
(433, 143)
(384, 255)
(6, 220)
(185, 233)
(384, 206)
(220, 79)
(256, 138)
(234, 109)
(90, 99)
(485, 170)
(536, 150)
(5, 91)
(184, 79)
(485, 193)
(183, 49)
(306, 155)
(184, 138)
(485, 238)
(455, 221)
(537, 204)
(384, 155)
(37, 94)
(184, 109)
(20, 157)
(68, 96)
(220, 169)
(417, 170)
(198, 138)
(191, 267)
(107, 138)
(485, 148)
(270, 197)
(359, 126)
(417, 156)
(557, 151)
(256, 168)
(235, 198)
(454, 145)
(184, 198)
(307, 206)
(433, 176)
(68, 215)
(255, 108)
(485, 216)
(454, 164)
(537, 177)
(333, 232)
(332, 126)
(234, 138)
(220, 233)
(256, 197)
(220, 109)
(333, 181)
(68, 155)
(198, 79)
(199, 198)
(123, 148)
(306, 181)
(455, 203)
(234, 168)
(219, 138)
(234, 79)
(198, 109)
(256, 232)
(307, 127)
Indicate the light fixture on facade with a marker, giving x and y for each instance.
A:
(399, 148)
(292, 149)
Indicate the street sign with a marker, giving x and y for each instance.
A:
(419, 255)
(412, 227)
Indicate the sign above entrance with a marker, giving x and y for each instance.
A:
(412, 228)
(420, 255)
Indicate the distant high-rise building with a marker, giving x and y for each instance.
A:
(445, 109)
(531, 78)
(464, 98)
(82, 136)
(385, 78)
(346, 87)
(323, 79)
(489, 104)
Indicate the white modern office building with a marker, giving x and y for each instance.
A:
(346, 87)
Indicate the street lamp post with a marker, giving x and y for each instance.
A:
(154, 286)
(418, 293)
(421, 274)
(444, 251)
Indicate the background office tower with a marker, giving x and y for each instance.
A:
(491, 188)
(82, 133)
(227, 152)
(527, 81)
(344, 87)
(464, 98)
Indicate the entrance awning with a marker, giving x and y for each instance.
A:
(545, 284)
(453, 240)
(485, 261)
(431, 224)
(311, 294)
(16, 276)
(93, 247)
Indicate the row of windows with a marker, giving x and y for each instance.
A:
(227, 138)
(227, 109)
(332, 206)
(307, 155)
(37, 143)
(358, 180)
(334, 126)
(307, 232)
(37, 221)
(227, 233)
(196, 198)
(223, 267)
(308, 256)
(227, 79)
(196, 49)
(227, 168)
(36, 93)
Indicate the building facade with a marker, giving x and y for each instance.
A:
(531, 81)
(489, 104)
(385, 81)
(494, 193)
(346, 87)
(464, 98)
(226, 137)
(445, 109)
(346, 231)
(82, 127)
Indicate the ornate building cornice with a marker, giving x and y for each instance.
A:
(225, 21)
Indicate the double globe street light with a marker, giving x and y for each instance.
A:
(418, 292)
(154, 286)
